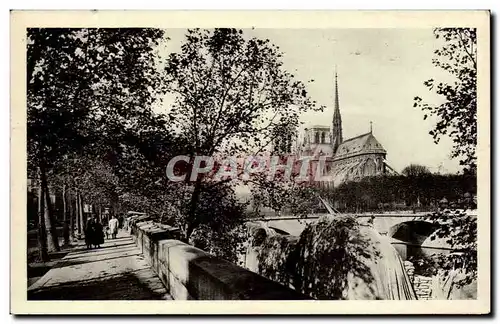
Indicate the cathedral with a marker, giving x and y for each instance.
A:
(345, 159)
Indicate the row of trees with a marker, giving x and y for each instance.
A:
(390, 192)
(94, 137)
(89, 99)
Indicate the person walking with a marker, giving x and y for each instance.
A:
(89, 233)
(113, 226)
(98, 233)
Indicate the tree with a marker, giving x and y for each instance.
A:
(231, 94)
(292, 191)
(222, 229)
(50, 129)
(415, 176)
(43, 253)
(415, 170)
(457, 116)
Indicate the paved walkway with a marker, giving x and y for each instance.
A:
(116, 271)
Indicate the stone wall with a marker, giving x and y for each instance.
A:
(421, 285)
(192, 274)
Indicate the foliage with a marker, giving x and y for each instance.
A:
(426, 266)
(277, 258)
(459, 230)
(328, 253)
(292, 189)
(322, 263)
(229, 88)
(227, 244)
(288, 196)
(221, 230)
(398, 192)
(415, 170)
(87, 88)
(457, 116)
(91, 124)
(52, 81)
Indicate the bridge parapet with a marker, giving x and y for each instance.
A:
(190, 273)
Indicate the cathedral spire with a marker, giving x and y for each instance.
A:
(337, 106)
(337, 119)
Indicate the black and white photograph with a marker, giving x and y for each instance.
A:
(256, 163)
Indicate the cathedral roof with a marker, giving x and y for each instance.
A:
(365, 143)
(317, 150)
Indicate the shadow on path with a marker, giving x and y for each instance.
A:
(118, 287)
(116, 271)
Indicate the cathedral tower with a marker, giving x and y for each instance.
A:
(337, 120)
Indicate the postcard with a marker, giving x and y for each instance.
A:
(250, 162)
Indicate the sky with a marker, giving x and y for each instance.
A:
(380, 71)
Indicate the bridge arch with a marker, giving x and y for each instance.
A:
(412, 239)
(414, 231)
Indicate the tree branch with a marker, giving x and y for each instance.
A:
(462, 42)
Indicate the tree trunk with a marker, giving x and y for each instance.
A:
(191, 219)
(78, 213)
(114, 205)
(52, 239)
(82, 215)
(42, 231)
(65, 218)
(71, 216)
(162, 216)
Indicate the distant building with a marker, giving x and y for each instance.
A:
(345, 160)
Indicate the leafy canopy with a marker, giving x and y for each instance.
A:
(457, 115)
(231, 92)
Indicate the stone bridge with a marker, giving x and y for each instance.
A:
(409, 233)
